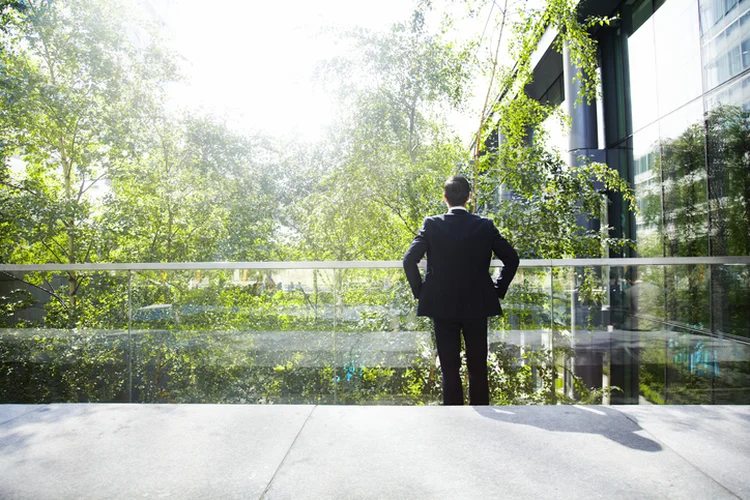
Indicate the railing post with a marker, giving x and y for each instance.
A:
(553, 368)
(336, 380)
(130, 341)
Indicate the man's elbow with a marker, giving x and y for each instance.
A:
(410, 261)
(513, 260)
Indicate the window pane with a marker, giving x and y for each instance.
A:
(734, 61)
(683, 170)
(643, 98)
(677, 42)
(647, 184)
(728, 126)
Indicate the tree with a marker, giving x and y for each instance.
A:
(198, 193)
(395, 149)
(190, 189)
(541, 216)
(76, 92)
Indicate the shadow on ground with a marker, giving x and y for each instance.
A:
(601, 420)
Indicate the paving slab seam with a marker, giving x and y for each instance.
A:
(678, 454)
(283, 460)
(21, 415)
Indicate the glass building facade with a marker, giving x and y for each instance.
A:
(676, 100)
(676, 106)
(674, 120)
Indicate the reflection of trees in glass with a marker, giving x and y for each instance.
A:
(673, 200)
(728, 151)
(724, 139)
(682, 165)
(687, 369)
(648, 192)
(694, 213)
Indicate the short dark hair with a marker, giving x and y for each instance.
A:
(456, 190)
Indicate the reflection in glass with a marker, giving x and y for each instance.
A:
(682, 165)
(64, 337)
(724, 41)
(648, 192)
(614, 87)
(728, 136)
(234, 336)
(676, 38)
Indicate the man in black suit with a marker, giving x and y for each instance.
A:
(457, 291)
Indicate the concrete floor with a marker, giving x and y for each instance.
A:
(379, 452)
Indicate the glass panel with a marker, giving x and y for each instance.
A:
(642, 65)
(523, 369)
(727, 131)
(613, 88)
(677, 42)
(63, 337)
(673, 334)
(683, 169)
(388, 355)
(648, 192)
(590, 302)
(236, 336)
(666, 319)
(730, 296)
(686, 296)
(723, 50)
(385, 353)
(734, 61)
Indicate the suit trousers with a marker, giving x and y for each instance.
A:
(448, 338)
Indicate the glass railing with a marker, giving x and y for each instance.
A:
(611, 331)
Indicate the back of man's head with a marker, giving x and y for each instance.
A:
(456, 190)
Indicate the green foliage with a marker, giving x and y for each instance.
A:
(16, 300)
(75, 93)
(83, 106)
(394, 149)
(198, 194)
(47, 367)
(540, 217)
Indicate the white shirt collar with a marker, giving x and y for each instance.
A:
(457, 208)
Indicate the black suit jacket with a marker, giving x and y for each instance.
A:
(457, 283)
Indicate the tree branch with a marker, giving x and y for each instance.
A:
(92, 183)
(50, 292)
(88, 251)
(49, 249)
(20, 188)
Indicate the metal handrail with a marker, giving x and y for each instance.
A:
(366, 264)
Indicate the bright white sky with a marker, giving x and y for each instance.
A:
(251, 62)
